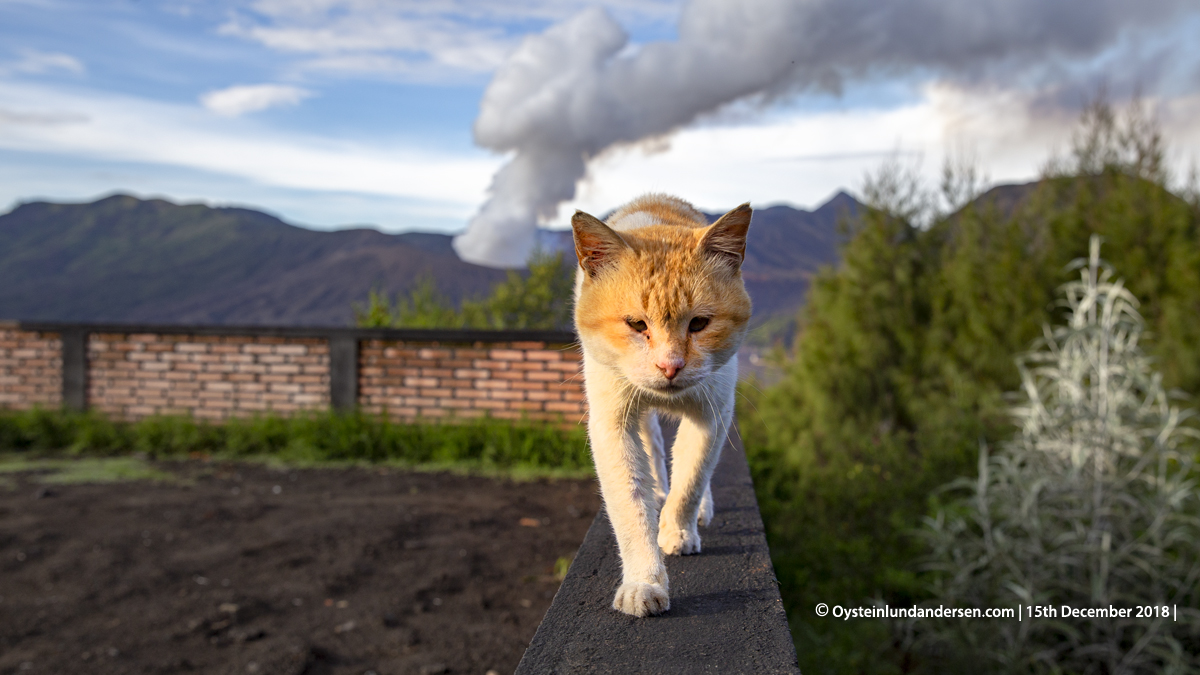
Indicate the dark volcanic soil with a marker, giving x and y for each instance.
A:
(249, 569)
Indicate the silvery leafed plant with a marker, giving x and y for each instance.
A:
(1093, 504)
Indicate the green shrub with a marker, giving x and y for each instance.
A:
(540, 298)
(483, 443)
(97, 435)
(903, 357)
(1093, 504)
(36, 428)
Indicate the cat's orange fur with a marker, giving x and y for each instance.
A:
(661, 310)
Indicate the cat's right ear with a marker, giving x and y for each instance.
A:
(596, 244)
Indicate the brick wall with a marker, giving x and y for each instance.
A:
(131, 372)
(136, 375)
(505, 380)
(30, 369)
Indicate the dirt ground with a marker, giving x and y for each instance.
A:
(243, 568)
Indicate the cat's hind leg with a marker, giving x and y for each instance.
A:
(706, 506)
(652, 441)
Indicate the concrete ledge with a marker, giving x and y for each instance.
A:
(726, 615)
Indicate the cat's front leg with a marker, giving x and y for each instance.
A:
(652, 442)
(627, 485)
(695, 454)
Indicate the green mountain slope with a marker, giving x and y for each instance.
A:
(123, 259)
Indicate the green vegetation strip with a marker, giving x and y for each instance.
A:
(81, 470)
(482, 446)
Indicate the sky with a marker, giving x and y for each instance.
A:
(432, 114)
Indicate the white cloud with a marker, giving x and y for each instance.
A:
(99, 126)
(33, 62)
(14, 117)
(803, 159)
(30, 178)
(417, 39)
(239, 100)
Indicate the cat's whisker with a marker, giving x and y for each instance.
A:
(756, 410)
(630, 393)
(720, 417)
(749, 382)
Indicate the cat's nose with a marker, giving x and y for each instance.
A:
(670, 367)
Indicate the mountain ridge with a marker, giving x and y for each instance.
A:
(125, 259)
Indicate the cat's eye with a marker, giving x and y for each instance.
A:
(636, 324)
(697, 324)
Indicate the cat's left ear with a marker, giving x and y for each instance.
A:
(726, 238)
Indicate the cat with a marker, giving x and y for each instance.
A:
(660, 310)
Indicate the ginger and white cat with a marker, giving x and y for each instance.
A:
(661, 310)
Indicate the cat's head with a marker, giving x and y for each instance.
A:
(664, 305)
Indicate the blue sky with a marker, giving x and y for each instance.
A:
(348, 112)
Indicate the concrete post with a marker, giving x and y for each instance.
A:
(74, 369)
(343, 372)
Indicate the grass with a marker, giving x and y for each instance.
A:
(561, 566)
(519, 450)
(82, 470)
(466, 467)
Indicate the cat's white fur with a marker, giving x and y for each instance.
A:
(652, 513)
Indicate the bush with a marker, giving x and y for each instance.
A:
(903, 357)
(1094, 504)
(483, 443)
(539, 299)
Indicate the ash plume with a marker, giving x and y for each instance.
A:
(564, 96)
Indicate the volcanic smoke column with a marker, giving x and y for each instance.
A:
(569, 93)
(526, 108)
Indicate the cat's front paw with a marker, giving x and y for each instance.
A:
(679, 541)
(641, 599)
